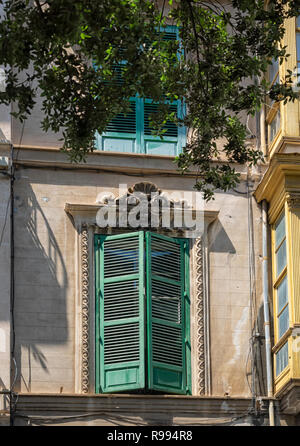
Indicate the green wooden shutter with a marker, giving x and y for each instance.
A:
(120, 312)
(167, 314)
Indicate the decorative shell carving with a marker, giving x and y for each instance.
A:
(145, 187)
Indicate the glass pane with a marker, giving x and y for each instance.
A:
(275, 126)
(283, 322)
(298, 46)
(281, 258)
(282, 359)
(273, 69)
(279, 230)
(282, 296)
(298, 21)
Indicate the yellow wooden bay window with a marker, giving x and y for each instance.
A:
(280, 187)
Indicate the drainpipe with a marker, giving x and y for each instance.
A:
(267, 313)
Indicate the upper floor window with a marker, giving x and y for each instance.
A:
(298, 44)
(274, 72)
(133, 132)
(273, 115)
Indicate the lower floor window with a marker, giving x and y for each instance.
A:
(282, 359)
(142, 313)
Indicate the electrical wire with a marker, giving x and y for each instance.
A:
(48, 420)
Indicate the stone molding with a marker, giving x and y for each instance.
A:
(137, 403)
(85, 309)
(200, 318)
(84, 219)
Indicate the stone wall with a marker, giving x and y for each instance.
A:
(47, 272)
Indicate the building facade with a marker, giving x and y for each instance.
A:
(147, 324)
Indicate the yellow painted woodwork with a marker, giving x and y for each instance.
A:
(294, 258)
(280, 186)
(290, 112)
(285, 376)
(290, 125)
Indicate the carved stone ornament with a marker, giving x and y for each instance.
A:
(145, 187)
(293, 200)
(85, 309)
(200, 317)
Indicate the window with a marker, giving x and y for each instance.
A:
(142, 313)
(273, 116)
(282, 359)
(298, 45)
(274, 126)
(281, 291)
(132, 132)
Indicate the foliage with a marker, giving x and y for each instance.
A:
(68, 51)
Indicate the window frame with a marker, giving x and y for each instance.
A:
(297, 28)
(139, 139)
(278, 279)
(274, 111)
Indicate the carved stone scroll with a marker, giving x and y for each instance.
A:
(200, 317)
(85, 309)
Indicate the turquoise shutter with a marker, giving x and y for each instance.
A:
(133, 133)
(167, 314)
(120, 312)
(121, 132)
(174, 137)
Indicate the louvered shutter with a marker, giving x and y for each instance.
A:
(121, 134)
(174, 137)
(121, 312)
(167, 314)
(133, 132)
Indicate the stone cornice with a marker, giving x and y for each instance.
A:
(86, 213)
(110, 162)
(176, 405)
(278, 185)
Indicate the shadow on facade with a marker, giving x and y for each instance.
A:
(40, 289)
(220, 242)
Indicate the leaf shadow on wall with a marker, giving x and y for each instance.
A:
(40, 290)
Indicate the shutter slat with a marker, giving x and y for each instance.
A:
(122, 123)
(170, 127)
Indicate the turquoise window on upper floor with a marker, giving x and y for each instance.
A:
(133, 133)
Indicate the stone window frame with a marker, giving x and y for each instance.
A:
(84, 217)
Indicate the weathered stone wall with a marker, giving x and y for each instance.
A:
(47, 275)
(5, 262)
